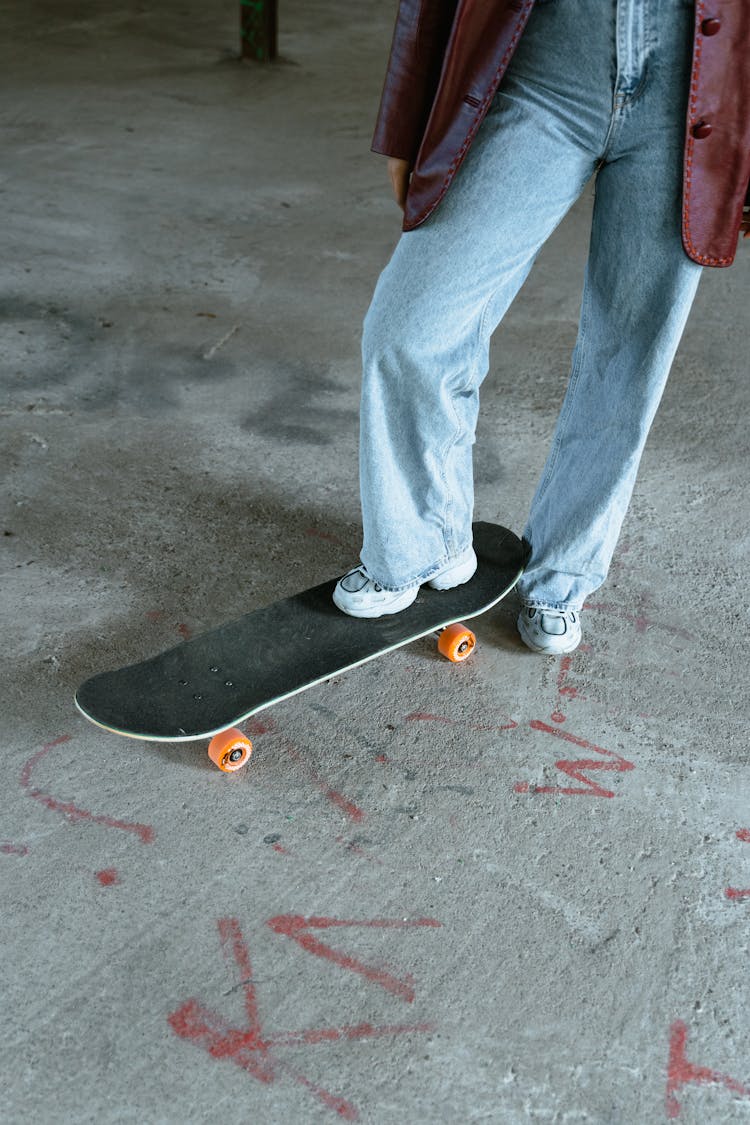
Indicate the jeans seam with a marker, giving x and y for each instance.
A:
(568, 400)
(450, 445)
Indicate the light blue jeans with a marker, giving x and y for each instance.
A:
(595, 86)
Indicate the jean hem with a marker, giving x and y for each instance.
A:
(560, 607)
(425, 575)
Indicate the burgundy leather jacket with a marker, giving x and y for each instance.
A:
(449, 56)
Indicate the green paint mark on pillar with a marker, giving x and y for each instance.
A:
(259, 29)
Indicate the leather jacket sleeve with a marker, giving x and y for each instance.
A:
(419, 40)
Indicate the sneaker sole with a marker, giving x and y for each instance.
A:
(464, 575)
(557, 650)
(375, 611)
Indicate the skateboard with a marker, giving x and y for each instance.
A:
(206, 686)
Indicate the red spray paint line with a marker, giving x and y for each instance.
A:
(144, 831)
(298, 929)
(184, 631)
(242, 1046)
(109, 877)
(314, 533)
(575, 769)
(249, 1047)
(355, 849)
(257, 726)
(13, 849)
(347, 806)
(640, 620)
(563, 687)
(682, 1073)
(737, 893)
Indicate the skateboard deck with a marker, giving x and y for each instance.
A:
(203, 686)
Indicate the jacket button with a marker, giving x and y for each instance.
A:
(710, 26)
(702, 130)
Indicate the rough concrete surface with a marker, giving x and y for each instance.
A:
(408, 907)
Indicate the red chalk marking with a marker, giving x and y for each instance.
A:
(313, 533)
(354, 812)
(296, 927)
(249, 1047)
(355, 849)
(234, 947)
(735, 892)
(13, 849)
(575, 769)
(681, 1073)
(109, 877)
(563, 687)
(209, 1030)
(256, 726)
(155, 615)
(641, 622)
(340, 1106)
(426, 717)
(280, 849)
(347, 806)
(383, 759)
(144, 831)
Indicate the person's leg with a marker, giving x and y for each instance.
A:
(638, 291)
(449, 282)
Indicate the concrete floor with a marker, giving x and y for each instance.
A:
(388, 917)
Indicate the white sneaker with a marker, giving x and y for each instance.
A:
(552, 632)
(359, 596)
(454, 575)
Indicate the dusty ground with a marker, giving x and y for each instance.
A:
(404, 909)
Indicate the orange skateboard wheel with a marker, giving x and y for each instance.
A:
(230, 750)
(456, 643)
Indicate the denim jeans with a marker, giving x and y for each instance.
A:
(595, 86)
